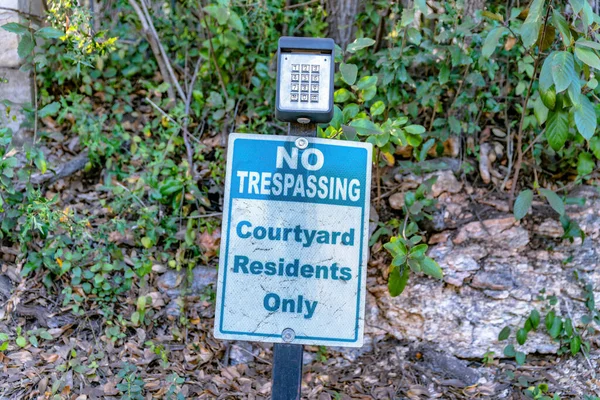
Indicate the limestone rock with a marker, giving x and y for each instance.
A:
(397, 201)
(446, 183)
(172, 282)
(10, 41)
(494, 271)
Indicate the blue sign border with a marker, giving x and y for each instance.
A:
(234, 138)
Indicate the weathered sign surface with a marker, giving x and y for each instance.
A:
(294, 244)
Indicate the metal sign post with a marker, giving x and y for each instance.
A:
(287, 358)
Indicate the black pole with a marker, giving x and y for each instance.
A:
(287, 358)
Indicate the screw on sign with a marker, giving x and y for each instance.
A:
(293, 257)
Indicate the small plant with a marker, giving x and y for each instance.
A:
(406, 249)
(488, 358)
(540, 392)
(559, 328)
(322, 354)
(174, 393)
(131, 385)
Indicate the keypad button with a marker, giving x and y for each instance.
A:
(295, 77)
(295, 87)
(314, 78)
(304, 77)
(314, 88)
(305, 68)
(295, 67)
(315, 68)
(294, 97)
(304, 98)
(304, 87)
(314, 98)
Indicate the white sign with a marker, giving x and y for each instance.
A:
(294, 247)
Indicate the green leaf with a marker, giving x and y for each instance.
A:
(26, 46)
(588, 43)
(549, 320)
(585, 117)
(21, 341)
(575, 345)
(415, 129)
(546, 81)
(236, 22)
(531, 27)
(49, 33)
(595, 146)
(563, 27)
(365, 127)
(15, 28)
(3, 337)
(534, 317)
(408, 16)
(555, 329)
(585, 164)
(34, 341)
(220, 13)
(377, 108)
(397, 281)
(421, 6)
(366, 82)
(521, 336)
(349, 73)
(418, 251)
(577, 5)
(146, 242)
(522, 204)
(44, 334)
(341, 95)
(557, 129)
(492, 40)
(509, 351)
(587, 56)
(415, 265)
(504, 333)
(359, 43)
(49, 109)
(520, 357)
(399, 260)
(396, 248)
(563, 70)
(432, 268)
(444, 74)
(540, 110)
(556, 203)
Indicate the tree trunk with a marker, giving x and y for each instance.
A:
(341, 15)
(473, 5)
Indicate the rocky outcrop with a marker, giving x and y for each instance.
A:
(494, 271)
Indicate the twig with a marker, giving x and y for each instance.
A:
(155, 48)
(250, 353)
(216, 214)
(523, 113)
(378, 175)
(163, 52)
(292, 6)
(133, 194)
(186, 134)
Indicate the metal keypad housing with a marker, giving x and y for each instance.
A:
(305, 68)
(302, 77)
